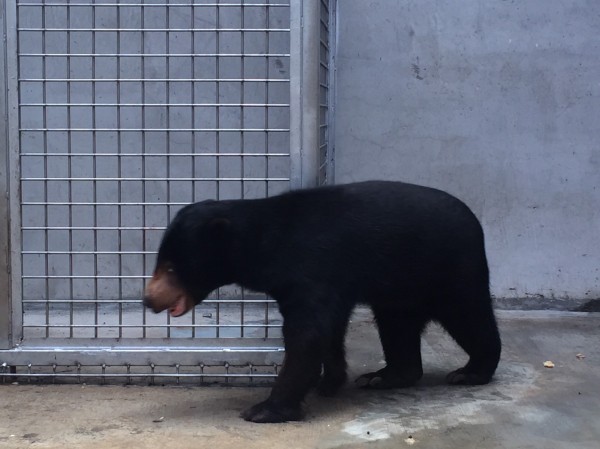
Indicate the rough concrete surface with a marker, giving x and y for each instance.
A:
(495, 102)
(527, 406)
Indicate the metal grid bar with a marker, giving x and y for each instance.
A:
(45, 121)
(69, 172)
(161, 105)
(168, 119)
(173, 80)
(166, 326)
(168, 179)
(143, 171)
(193, 66)
(218, 140)
(135, 301)
(160, 101)
(162, 55)
(123, 154)
(161, 130)
(189, 30)
(149, 5)
(242, 147)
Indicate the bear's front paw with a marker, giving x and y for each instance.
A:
(268, 412)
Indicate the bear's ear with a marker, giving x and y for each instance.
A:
(219, 225)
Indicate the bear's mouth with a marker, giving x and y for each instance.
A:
(181, 306)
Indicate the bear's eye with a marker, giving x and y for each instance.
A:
(170, 270)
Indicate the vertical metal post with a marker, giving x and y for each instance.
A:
(143, 158)
(10, 306)
(304, 92)
(4, 223)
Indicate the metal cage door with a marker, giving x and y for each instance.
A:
(117, 114)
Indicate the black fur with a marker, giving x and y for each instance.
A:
(413, 253)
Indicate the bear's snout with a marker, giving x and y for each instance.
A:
(148, 302)
(163, 292)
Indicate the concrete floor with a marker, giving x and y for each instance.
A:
(527, 406)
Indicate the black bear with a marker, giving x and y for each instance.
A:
(413, 253)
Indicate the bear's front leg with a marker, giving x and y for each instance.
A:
(302, 363)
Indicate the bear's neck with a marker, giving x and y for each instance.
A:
(260, 235)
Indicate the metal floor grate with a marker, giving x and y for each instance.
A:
(151, 374)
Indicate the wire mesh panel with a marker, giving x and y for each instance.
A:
(327, 23)
(128, 111)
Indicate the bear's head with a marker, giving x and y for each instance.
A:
(193, 259)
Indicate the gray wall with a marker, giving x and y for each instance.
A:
(496, 102)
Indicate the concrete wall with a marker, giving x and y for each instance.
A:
(496, 102)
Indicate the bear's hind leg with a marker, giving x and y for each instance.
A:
(400, 334)
(334, 357)
(473, 325)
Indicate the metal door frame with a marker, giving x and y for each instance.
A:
(10, 316)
